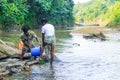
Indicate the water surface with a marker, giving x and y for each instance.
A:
(80, 59)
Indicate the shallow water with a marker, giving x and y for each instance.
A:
(92, 60)
(80, 59)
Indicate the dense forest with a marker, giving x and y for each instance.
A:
(30, 12)
(103, 12)
(17, 13)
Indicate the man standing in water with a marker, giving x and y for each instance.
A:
(48, 39)
(27, 39)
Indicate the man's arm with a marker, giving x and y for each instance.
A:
(26, 44)
(35, 36)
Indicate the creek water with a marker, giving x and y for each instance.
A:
(80, 59)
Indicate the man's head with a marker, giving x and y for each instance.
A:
(25, 29)
(44, 21)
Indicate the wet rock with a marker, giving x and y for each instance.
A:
(76, 44)
(27, 68)
(1, 78)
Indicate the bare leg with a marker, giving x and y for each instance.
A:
(52, 54)
(21, 56)
(41, 55)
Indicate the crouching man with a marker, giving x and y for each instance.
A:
(27, 38)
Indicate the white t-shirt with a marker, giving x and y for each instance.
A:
(48, 29)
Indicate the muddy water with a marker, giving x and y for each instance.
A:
(81, 59)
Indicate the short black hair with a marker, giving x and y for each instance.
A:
(25, 28)
(44, 20)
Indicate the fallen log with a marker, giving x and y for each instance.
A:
(100, 36)
(1, 42)
(17, 67)
(33, 62)
(7, 51)
(4, 73)
(3, 56)
(26, 56)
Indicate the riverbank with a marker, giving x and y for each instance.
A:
(96, 30)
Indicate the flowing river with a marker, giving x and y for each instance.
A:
(79, 59)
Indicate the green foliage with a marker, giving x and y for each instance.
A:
(12, 12)
(45, 4)
(98, 10)
(114, 15)
(29, 12)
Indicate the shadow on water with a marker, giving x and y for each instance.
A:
(79, 59)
